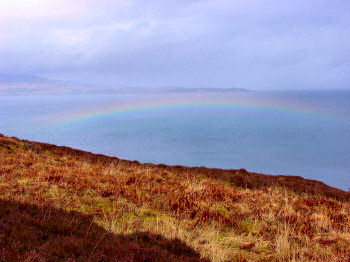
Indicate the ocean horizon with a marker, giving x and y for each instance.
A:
(302, 133)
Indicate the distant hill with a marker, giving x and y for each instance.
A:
(35, 85)
(22, 79)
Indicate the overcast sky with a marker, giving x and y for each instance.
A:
(294, 44)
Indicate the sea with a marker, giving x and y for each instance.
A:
(302, 133)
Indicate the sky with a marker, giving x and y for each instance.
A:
(253, 44)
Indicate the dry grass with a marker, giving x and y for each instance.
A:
(64, 204)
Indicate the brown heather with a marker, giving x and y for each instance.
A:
(61, 204)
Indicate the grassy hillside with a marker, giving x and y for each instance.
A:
(57, 203)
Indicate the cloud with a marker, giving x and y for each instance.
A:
(250, 44)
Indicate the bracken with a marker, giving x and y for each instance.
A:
(57, 203)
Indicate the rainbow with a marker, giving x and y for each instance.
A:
(170, 105)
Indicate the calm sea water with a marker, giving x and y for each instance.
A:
(305, 133)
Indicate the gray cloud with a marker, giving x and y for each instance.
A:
(249, 44)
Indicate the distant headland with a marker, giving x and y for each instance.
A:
(35, 85)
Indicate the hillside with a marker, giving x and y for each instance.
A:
(58, 203)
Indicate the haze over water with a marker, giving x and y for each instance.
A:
(304, 133)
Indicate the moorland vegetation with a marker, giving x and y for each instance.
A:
(58, 203)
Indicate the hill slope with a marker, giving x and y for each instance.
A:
(57, 203)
